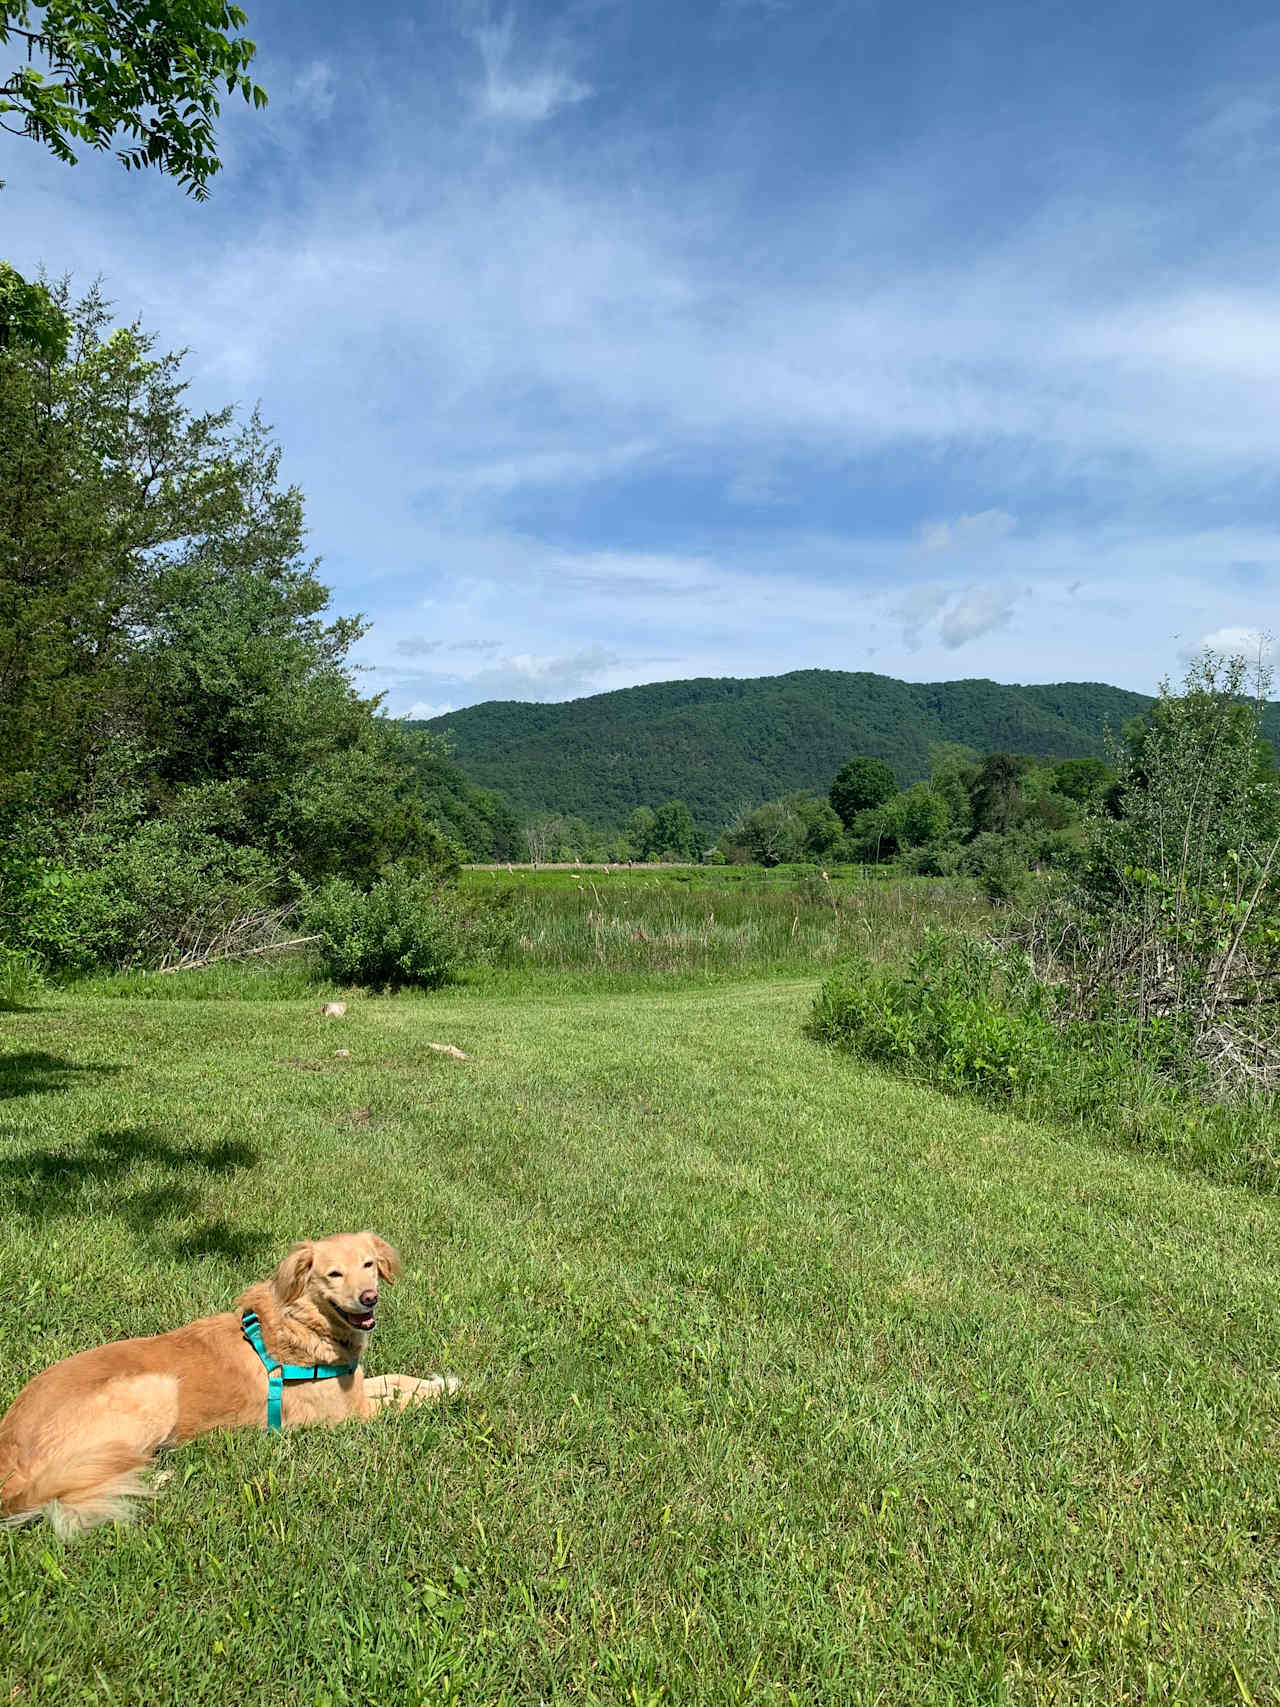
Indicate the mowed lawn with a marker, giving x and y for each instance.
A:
(784, 1381)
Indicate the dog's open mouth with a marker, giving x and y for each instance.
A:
(362, 1319)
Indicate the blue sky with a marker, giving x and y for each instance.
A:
(614, 343)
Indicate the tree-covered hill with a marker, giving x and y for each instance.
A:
(722, 744)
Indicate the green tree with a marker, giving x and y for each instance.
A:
(920, 816)
(770, 835)
(823, 831)
(1083, 780)
(860, 784)
(30, 315)
(147, 72)
(640, 831)
(996, 794)
(1175, 910)
(873, 834)
(181, 738)
(479, 820)
(674, 832)
(953, 772)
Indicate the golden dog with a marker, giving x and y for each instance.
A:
(74, 1441)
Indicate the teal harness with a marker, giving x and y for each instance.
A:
(279, 1373)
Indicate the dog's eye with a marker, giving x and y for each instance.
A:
(369, 1264)
(335, 1274)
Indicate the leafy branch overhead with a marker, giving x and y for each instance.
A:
(144, 75)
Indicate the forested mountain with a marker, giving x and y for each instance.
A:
(721, 743)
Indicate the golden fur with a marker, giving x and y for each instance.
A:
(75, 1440)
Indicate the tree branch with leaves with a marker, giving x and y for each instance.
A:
(144, 75)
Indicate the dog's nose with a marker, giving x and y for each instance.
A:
(368, 1299)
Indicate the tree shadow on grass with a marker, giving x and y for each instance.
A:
(100, 1178)
(24, 1074)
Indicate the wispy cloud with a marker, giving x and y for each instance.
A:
(729, 382)
(528, 94)
(1242, 125)
(952, 617)
(966, 531)
(977, 611)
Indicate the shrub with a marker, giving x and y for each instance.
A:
(405, 929)
(962, 1014)
(20, 980)
(971, 1015)
(1000, 865)
(934, 859)
(1171, 911)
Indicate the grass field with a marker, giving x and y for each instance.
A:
(785, 1381)
(701, 923)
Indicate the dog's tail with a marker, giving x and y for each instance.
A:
(78, 1484)
(79, 1489)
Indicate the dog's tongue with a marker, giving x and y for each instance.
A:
(366, 1324)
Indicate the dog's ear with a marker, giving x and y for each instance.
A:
(388, 1259)
(291, 1276)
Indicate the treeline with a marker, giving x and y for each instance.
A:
(996, 816)
(721, 745)
(182, 741)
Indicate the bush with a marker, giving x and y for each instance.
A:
(20, 980)
(1000, 865)
(934, 859)
(1171, 909)
(405, 929)
(971, 1015)
(120, 889)
(163, 889)
(963, 1014)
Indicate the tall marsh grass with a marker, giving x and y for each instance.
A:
(685, 924)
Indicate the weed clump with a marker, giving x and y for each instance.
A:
(405, 929)
(972, 1016)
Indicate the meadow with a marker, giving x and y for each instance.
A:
(703, 923)
(786, 1380)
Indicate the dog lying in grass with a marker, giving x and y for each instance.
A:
(74, 1442)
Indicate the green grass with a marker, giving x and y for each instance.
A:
(702, 924)
(786, 1381)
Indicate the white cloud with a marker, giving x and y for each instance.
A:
(952, 617)
(967, 531)
(459, 353)
(534, 468)
(1251, 643)
(421, 710)
(975, 612)
(528, 97)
